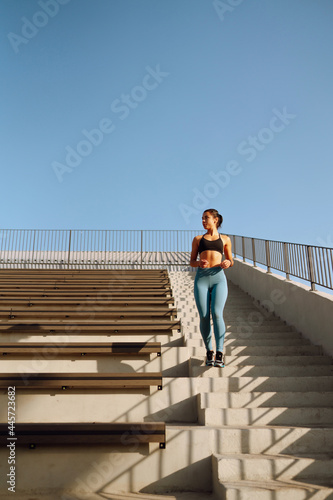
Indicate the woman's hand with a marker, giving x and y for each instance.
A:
(225, 264)
(203, 263)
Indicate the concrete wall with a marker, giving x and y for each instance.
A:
(311, 313)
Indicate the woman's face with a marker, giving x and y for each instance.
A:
(208, 221)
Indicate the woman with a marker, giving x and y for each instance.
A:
(210, 284)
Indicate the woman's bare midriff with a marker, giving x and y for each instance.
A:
(214, 258)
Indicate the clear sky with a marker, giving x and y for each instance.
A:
(139, 114)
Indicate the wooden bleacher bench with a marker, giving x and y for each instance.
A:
(68, 280)
(83, 302)
(24, 279)
(56, 303)
(87, 283)
(130, 327)
(62, 287)
(80, 349)
(67, 381)
(127, 434)
(38, 280)
(82, 294)
(84, 313)
(85, 273)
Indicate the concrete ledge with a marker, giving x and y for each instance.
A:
(309, 312)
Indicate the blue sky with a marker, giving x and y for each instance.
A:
(139, 114)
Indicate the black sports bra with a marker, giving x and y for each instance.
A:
(216, 245)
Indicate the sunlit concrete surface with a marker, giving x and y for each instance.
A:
(310, 312)
(261, 428)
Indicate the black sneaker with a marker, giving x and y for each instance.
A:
(210, 358)
(219, 359)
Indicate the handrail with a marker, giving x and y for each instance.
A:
(85, 248)
(153, 249)
(307, 262)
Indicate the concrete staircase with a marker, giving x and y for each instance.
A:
(259, 429)
(271, 406)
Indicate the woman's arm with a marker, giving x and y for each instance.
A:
(194, 262)
(195, 245)
(229, 261)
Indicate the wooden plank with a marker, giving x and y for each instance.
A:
(85, 273)
(15, 279)
(83, 314)
(80, 348)
(91, 327)
(79, 288)
(68, 381)
(82, 307)
(92, 282)
(82, 294)
(78, 433)
(89, 301)
(84, 279)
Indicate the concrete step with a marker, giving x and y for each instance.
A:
(247, 327)
(195, 340)
(266, 400)
(252, 318)
(290, 350)
(262, 384)
(282, 468)
(244, 337)
(251, 315)
(264, 334)
(266, 342)
(273, 440)
(176, 402)
(216, 417)
(269, 360)
(269, 490)
(236, 321)
(197, 370)
(242, 301)
(183, 495)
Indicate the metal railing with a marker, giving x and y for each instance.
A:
(309, 263)
(136, 249)
(140, 249)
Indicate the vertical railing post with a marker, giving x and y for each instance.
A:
(33, 249)
(286, 260)
(69, 247)
(311, 268)
(254, 253)
(141, 248)
(243, 248)
(2, 239)
(268, 257)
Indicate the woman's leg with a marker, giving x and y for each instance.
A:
(218, 299)
(202, 299)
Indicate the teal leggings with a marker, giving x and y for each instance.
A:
(210, 293)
